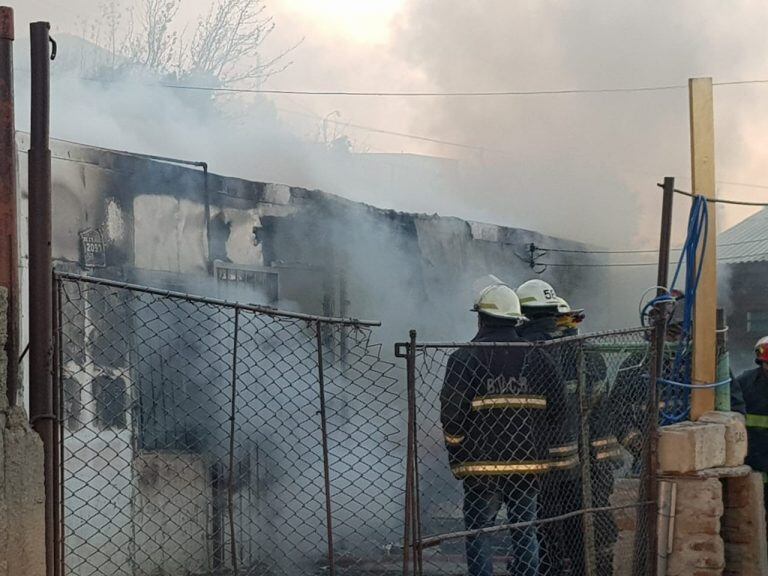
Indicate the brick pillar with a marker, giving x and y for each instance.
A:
(698, 547)
(746, 551)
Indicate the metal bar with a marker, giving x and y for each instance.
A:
(231, 486)
(343, 308)
(665, 238)
(207, 216)
(650, 488)
(437, 540)
(326, 457)
(167, 159)
(410, 385)
(267, 311)
(723, 393)
(585, 413)
(217, 513)
(662, 535)
(417, 552)
(40, 278)
(542, 344)
(9, 257)
(58, 456)
(62, 422)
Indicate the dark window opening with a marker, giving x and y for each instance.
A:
(258, 278)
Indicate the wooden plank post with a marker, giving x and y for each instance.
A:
(704, 369)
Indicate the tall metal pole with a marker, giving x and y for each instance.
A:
(41, 410)
(660, 319)
(666, 233)
(9, 259)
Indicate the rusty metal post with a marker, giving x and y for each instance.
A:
(41, 409)
(417, 550)
(9, 258)
(647, 560)
(665, 237)
(649, 491)
(409, 459)
(58, 434)
(232, 423)
(326, 462)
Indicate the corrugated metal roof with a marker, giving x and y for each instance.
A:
(745, 242)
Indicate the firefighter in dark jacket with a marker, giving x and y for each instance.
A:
(749, 392)
(550, 318)
(605, 454)
(495, 419)
(560, 489)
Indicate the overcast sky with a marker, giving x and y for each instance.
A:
(593, 157)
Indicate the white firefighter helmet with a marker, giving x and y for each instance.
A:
(537, 294)
(761, 350)
(499, 301)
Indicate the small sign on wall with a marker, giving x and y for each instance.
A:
(93, 252)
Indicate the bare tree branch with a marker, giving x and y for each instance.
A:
(225, 46)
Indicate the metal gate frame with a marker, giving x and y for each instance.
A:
(413, 542)
(320, 326)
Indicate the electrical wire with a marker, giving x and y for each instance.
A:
(645, 251)
(458, 94)
(400, 134)
(725, 259)
(720, 200)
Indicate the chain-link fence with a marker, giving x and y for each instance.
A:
(533, 456)
(200, 437)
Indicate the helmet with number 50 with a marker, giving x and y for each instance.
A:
(538, 295)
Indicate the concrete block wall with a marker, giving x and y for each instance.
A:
(735, 435)
(22, 496)
(719, 518)
(698, 548)
(743, 527)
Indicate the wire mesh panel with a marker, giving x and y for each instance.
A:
(200, 437)
(532, 456)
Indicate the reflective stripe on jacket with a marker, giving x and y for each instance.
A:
(495, 407)
(753, 386)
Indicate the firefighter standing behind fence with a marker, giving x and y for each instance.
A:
(605, 452)
(551, 318)
(561, 490)
(495, 413)
(749, 395)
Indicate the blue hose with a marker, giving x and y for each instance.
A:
(677, 397)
